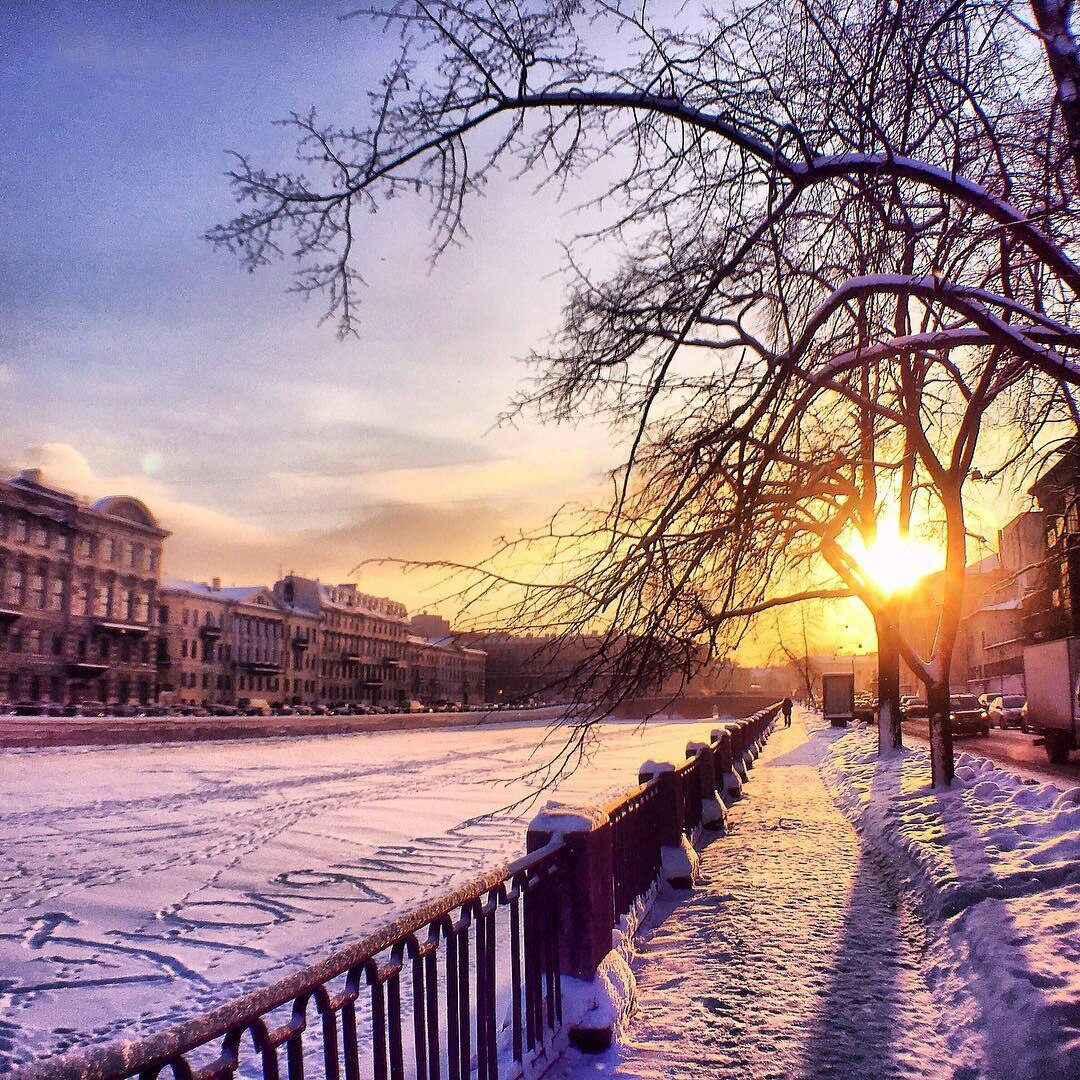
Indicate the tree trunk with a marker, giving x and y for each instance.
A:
(890, 736)
(1054, 19)
(941, 745)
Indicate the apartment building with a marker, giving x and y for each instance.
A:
(359, 655)
(441, 669)
(78, 595)
(86, 616)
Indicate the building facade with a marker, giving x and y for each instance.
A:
(78, 596)
(359, 652)
(441, 669)
(85, 616)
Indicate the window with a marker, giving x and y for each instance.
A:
(86, 547)
(63, 542)
(163, 614)
(183, 648)
(22, 530)
(152, 560)
(41, 535)
(109, 552)
(56, 594)
(129, 605)
(129, 554)
(37, 588)
(35, 641)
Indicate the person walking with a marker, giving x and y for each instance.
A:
(786, 706)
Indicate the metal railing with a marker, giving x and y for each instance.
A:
(446, 991)
(635, 838)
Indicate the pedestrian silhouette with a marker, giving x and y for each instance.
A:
(786, 706)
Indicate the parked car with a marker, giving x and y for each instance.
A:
(92, 708)
(1007, 711)
(913, 707)
(28, 708)
(967, 715)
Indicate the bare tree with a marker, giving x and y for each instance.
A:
(862, 219)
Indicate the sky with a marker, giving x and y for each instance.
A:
(135, 359)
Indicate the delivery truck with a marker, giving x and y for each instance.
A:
(838, 697)
(1052, 680)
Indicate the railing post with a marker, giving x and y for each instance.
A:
(678, 860)
(586, 917)
(712, 809)
(730, 786)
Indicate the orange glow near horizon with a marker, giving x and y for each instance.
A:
(894, 563)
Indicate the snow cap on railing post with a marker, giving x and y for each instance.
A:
(678, 860)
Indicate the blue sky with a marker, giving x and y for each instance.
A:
(132, 356)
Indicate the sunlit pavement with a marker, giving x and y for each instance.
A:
(793, 957)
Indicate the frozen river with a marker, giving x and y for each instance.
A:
(143, 884)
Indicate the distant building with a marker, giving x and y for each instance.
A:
(359, 651)
(1052, 609)
(78, 595)
(222, 646)
(443, 670)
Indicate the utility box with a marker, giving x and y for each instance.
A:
(1052, 680)
(838, 697)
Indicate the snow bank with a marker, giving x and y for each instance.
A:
(995, 859)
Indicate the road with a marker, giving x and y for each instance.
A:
(1012, 749)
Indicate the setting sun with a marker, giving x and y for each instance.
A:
(894, 562)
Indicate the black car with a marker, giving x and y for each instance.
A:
(967, 715)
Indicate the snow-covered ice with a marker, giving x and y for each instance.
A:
(140, 885)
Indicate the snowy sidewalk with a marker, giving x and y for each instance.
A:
(792, 958)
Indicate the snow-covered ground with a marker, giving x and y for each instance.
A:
(995, 860)
(143, 884)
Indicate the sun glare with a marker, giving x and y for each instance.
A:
(894, 562)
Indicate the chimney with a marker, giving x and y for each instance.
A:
(215, 584)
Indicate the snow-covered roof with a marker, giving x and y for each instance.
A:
(237, 594)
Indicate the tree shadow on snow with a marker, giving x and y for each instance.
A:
(860, 1010)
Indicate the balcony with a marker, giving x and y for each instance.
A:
(393, 662)
(210, 632)
(9, 614)
(301, 643)
(122, 628)
(163, 660)
(84, 669)
(262, 667)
